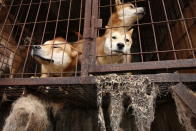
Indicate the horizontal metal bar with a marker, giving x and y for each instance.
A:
(172, 77)
(188, 98)
(157, 78)
(46, 81)
(168, 64)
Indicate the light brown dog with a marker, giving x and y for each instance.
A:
(111, 46)
(126, 14)
(55, 56)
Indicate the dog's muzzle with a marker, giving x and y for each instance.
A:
(140, 11)
(120, 46)
(35, 48)
(35, 54)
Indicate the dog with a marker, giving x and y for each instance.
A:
(12, 57)
(125, 15)
(55, 56)
(111, 47)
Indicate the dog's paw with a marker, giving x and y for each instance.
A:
(34, 77)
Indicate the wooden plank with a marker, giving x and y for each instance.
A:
(157, 78)
(46, 81)
(153, 65)
(188, 98)
(87, 35)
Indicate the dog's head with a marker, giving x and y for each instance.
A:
(54, 52)
(117, 42)
(129, 13)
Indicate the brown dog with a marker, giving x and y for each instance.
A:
(55, 56)
(111, 46)
(126, 14)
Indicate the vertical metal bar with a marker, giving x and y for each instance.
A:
(87, 39)
(38, 11)
(139, 35)
(110, 29)
(7, 16)
(169, 28)
(10, 35)
(68, 19)
(55, 30)
(187, 32)
(79, 30)
(153, 28)
(80, 19)
(67, 30)
(45, 23)
(20, 38)
(2, 59)
(94, 30)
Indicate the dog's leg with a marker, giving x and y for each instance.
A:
(44, 75)
(126, 58)
(12, 67)
(118, 2)
(44, 72)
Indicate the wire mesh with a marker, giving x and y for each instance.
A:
(164, 34)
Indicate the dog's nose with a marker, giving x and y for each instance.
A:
(36, 47)
(120, 46)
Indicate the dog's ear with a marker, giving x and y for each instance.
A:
(130, 31)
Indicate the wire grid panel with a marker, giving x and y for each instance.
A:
(28, 25)
(163, 38)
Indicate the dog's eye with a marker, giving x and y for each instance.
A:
(127, 40)
(56, 47)
(113, 37)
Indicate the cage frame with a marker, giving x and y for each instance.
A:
(89, 66)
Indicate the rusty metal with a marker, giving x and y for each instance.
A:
(91, 80)
(95, 22)
(156, 22)
(186, 29)
(169, 28)
(31, 37)
(46, 81)
(87, 37)
(153, 27)
(186, 96)
(91, 28)
(164, 65)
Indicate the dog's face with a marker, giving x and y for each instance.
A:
(117, 42)
(128, 12)
(56, 53)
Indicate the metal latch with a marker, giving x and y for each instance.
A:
(99, 23)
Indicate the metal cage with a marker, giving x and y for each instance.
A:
(163, 41)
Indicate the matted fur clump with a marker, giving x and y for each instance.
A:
(28, 114)
(184, 113)
(141, 91)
